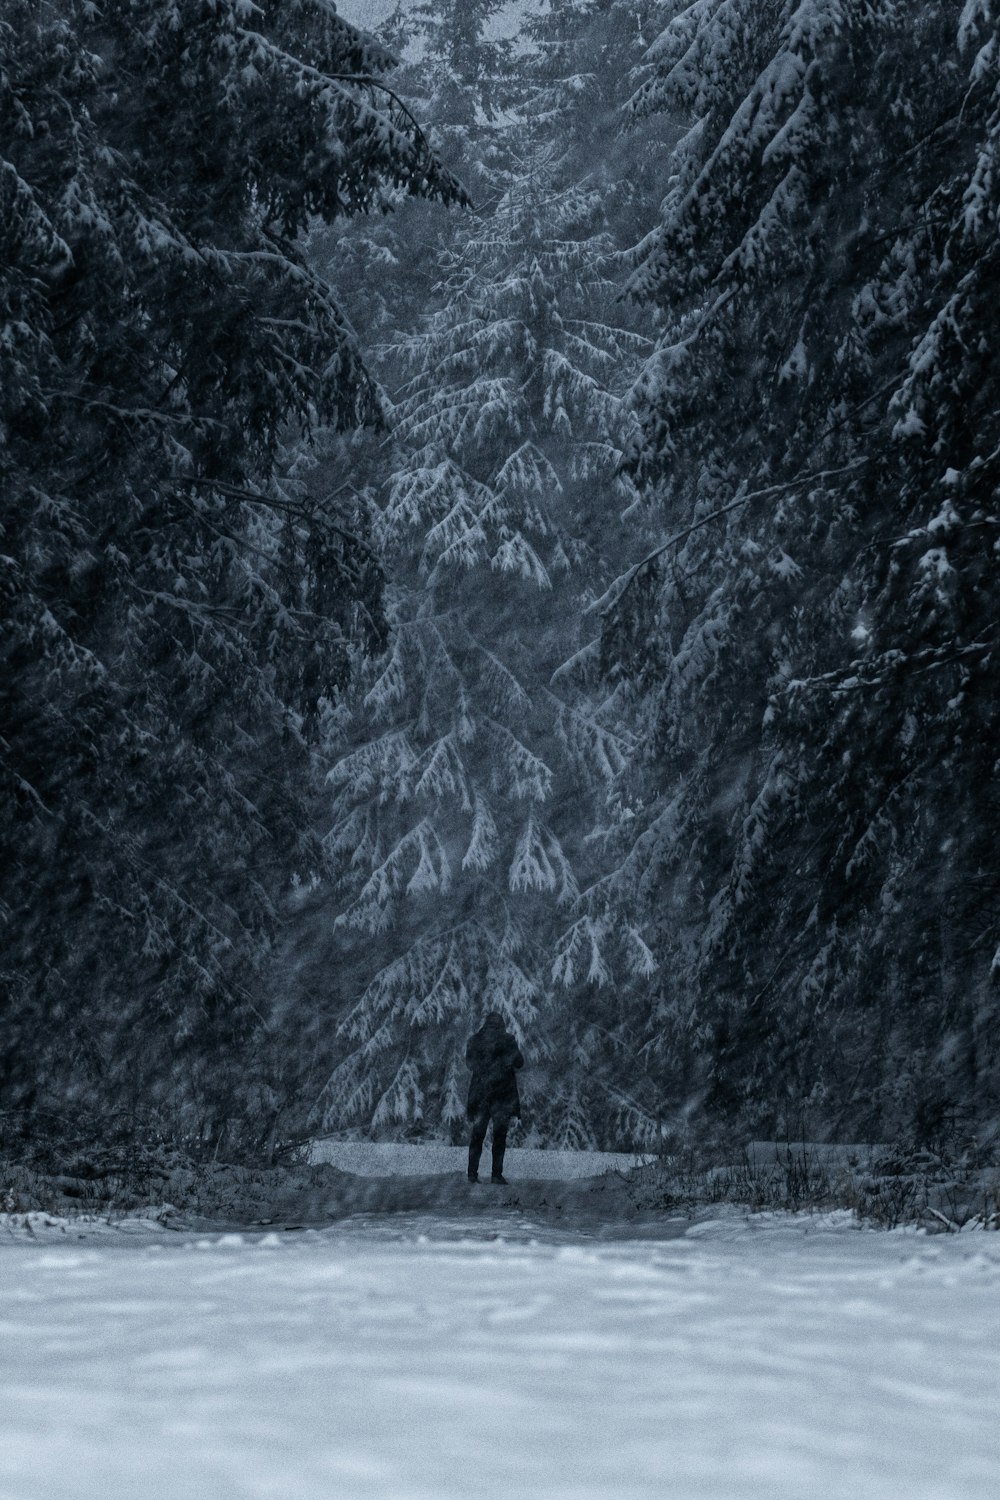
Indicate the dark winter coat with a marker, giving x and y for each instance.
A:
(493, 1055)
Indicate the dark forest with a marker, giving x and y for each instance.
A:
(499, 524)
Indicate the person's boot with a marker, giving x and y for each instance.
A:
(498, 1177)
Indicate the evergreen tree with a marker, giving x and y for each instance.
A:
(470, 75)
(178, 608)
(459, 834)
(451, 78)
(811, 647)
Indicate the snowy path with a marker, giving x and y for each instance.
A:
(393, 1358)
(397, 1159)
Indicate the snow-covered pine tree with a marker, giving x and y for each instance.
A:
(584, 60)
(462, 806)
(470, 77)
(812, 661)
(176, 609)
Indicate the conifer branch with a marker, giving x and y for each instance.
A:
(606, 604)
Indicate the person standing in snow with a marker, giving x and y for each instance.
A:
(492, 1056)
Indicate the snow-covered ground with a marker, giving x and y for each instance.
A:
(413, 1356)
(399, 1159)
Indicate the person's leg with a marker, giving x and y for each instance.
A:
(501, 1122)
(479, 1124)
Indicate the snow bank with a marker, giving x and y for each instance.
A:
(38, 1226)
(763, 1154)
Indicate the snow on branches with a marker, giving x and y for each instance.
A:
(499, 503)
(180, 606)
(811, 646)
